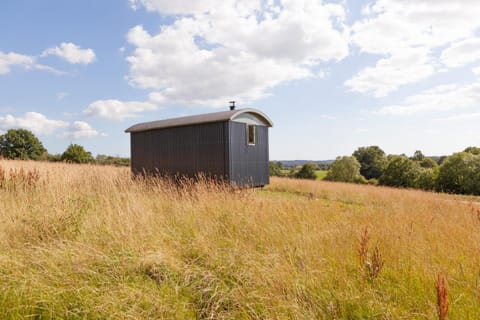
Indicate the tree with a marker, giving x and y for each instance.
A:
(426, 178)
(418, 156)
(428, 163)
(307, 171)
(472, 150)
(21, 144)
(460, 173)
(400, 171)
(441, 159)
(113, 161)
(275, 168)
(372, 161)
(345, 169)
(77, 154)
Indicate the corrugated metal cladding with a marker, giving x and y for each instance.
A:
(182, 150)
(248, 163)
(217, 149)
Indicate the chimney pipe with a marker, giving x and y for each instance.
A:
(232, 105)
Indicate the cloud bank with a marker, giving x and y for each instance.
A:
(219, 50)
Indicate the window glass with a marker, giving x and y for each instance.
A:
(251, 134)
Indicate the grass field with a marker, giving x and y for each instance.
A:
(89, 242)
(321, 174)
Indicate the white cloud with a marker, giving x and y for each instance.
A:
(117, 110)
(390, 73)
(48, 69)
(39, 124)
(175, 7)
(80, 129)
(461, 53)
(393, 24)
(216, 50)
(393, 28)
(476, 70)
(71, 53)
(7, 60)
(440, 98)
(33, 121)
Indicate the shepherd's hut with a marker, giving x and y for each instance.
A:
(230, 145)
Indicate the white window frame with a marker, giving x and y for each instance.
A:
(248, 126)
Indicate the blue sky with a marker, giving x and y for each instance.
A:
(332, 75)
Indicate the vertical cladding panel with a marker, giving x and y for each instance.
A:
(134, 153)
(139, 157)
(148, 159)
(181, 150)
(249, 164)
(264, 158)
(134, 161)
(228, 159)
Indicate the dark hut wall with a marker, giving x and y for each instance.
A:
(248, 163)
(184, 150)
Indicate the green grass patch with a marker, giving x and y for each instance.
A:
(321, 174)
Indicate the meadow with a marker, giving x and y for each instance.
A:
(86, 241)
(320, 174)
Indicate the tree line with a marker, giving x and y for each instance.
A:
(458, 173)
(24, 145)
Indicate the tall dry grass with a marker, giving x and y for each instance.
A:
(87, 241)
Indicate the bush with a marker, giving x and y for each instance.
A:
(428, 163)
(54, 157)
(472, 150)
(460, 173)
(345, 169)
(77, 154)
(275, 168)
(426, 179)
(113, 161)
(400, 172)
(372, 161)
(307, 172)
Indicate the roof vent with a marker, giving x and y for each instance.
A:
(232, 105)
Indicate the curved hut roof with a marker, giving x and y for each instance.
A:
(222, 116)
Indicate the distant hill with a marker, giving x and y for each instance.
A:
(294, 163)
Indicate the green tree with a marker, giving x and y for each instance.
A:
(77, 154)
(400, 171)
(426, 178)
(460, 173)
(372, 160)
(113, 161)
(21, 144)
(275, 168)
(345, 169)
(473, 150)
(307, 171)
(54, 157)
(428, 163)
(418, 156)
(441, 159)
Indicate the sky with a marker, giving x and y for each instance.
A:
(331, 75)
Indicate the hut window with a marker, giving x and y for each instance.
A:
(251, 134)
